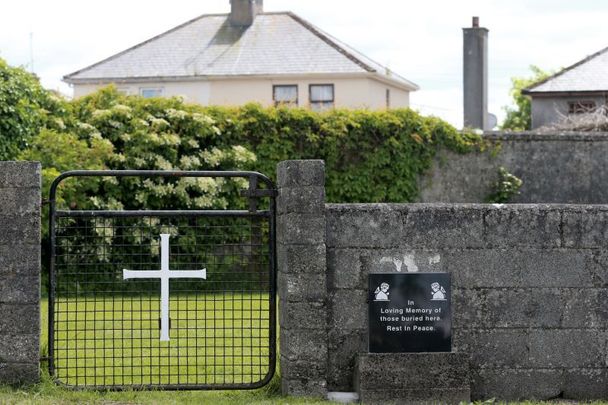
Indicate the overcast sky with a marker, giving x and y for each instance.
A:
(421, 40)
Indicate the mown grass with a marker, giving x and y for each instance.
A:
(216, 339)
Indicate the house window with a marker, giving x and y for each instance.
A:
(321, 96)
(388, 98)
(147, 92)
(581, 107)
(285, 94)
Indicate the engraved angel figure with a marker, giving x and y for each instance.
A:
(438, 292)
(381, 293)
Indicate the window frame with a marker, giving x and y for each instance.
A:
(322, 103)
(581, 107)
(160, 90)
(284, 103)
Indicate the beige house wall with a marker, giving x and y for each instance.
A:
(360, 92)
(191, 91)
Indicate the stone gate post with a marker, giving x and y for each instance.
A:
(302, 277)
(19, 272)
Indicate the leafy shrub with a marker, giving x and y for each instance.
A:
(505, 188)
(25, 109)
(370, 156)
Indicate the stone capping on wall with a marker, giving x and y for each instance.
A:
(539, 135)
(20, 202)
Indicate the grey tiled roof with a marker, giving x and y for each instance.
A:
(589, 74)
(275, 44)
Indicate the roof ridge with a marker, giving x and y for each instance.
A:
(530, 89)
(116, 55)
(325, 38)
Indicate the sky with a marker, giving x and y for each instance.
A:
(420, 40)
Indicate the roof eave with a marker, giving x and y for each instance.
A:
(401, 83)
(566, 93)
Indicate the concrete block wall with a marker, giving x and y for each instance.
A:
(530, 289)
(555, 168)
(20, 202)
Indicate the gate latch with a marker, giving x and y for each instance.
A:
(253, 193)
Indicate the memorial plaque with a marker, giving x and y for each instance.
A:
(410, 312)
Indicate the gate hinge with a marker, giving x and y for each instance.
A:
(259, 193)
(45, 201)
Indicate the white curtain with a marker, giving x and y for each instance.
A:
(285, 94)
(321, 93)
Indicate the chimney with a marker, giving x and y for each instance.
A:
(243, 12)
(475, 76)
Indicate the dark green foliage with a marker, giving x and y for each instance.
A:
(369, 156)
(25, 109)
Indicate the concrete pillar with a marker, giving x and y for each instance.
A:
(475, 76)
(19, 272)
(302, 283)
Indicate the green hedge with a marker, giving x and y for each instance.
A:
(370, 156)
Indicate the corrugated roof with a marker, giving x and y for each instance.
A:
(275, 44)
(589, 74)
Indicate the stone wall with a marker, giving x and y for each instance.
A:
(555, 168)
(19, 272)
(530, 287)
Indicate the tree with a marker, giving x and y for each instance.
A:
(25, 109)
(520, 118)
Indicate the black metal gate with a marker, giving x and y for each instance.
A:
(164, 298)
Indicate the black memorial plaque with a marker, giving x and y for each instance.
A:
(410, 312)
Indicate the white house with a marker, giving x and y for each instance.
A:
(249, 55)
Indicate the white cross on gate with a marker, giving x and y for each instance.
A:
(164, 274)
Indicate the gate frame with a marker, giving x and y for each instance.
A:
(252, 193)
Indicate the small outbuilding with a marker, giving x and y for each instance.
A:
(577, 89)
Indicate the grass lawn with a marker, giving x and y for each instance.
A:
(215, 339)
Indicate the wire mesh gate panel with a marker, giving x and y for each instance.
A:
(170, 299)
